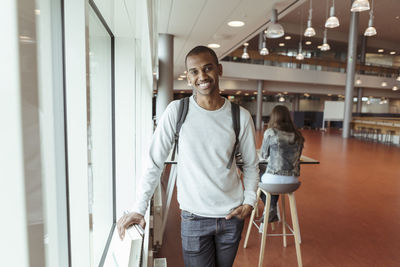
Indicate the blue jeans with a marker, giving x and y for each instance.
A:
(209, 242)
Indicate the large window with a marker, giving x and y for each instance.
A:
(101, 156)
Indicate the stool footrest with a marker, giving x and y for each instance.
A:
(287, 225)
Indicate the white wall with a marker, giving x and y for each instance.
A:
(279, 74)
(375, 108)
(311, 105)
(292, 87)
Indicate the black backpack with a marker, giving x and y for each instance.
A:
(183, 110)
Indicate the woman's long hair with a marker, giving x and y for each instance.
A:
(280, 119)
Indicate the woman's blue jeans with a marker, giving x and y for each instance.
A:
(209, 242)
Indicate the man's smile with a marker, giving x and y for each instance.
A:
(204, 85)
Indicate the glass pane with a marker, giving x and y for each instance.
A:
(100, 136)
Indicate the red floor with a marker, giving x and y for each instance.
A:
(348, 207)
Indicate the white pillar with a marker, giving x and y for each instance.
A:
(165, 92)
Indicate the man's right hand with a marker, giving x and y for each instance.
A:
(128, 220)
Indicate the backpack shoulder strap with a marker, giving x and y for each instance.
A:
(235, 108)
(182, 112)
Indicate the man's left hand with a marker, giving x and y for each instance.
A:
(240, 212)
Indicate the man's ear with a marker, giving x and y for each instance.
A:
(220, 69)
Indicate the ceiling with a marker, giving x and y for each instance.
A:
(386, 22)
(202, 22)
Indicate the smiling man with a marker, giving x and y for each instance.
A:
(211, 196)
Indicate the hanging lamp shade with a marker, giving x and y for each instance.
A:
(371, 31)
(325, 46)
(309, 32)
(264, 51)
(275, 30)
(300, 56)
(360, 5)
(332, 21)
(245, 55)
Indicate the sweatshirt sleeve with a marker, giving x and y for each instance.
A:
(247, 147)
(160, 147)
(265, 145)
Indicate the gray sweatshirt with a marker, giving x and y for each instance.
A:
(204, 185)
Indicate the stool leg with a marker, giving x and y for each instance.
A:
(283, 219)
(295, 222)
(252, 218)
(264, 234)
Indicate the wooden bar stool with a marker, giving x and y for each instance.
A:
(277, 189)
(370, 134)
(389, 137)
(378, 133)
(363, 132)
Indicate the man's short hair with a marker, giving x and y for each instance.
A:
(202, 49)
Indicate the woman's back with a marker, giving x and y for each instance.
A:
(283, 150)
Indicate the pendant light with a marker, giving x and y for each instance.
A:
(300, 55)
(310, 32)
(264, 50)
(262, 45)
(360, 5)
(245, 55)
(371, 31)
(332, 21)
(275, 30)
(325, 46)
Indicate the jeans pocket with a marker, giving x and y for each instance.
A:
(238, 219)
(191, 243)
(187, 216)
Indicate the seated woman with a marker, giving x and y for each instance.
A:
(282, 146)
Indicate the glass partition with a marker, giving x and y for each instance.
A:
(100, 134)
